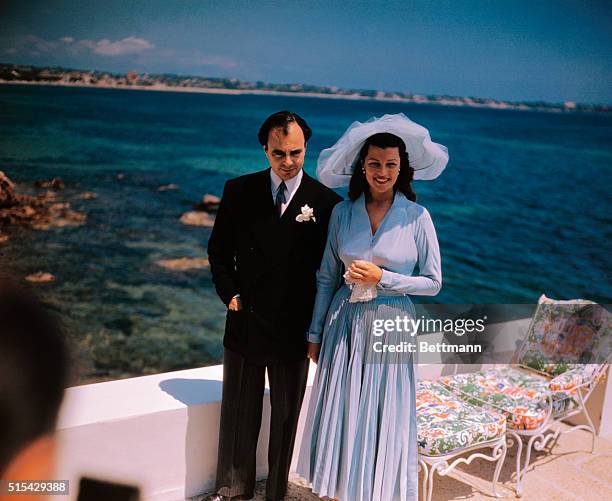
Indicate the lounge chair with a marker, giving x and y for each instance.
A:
(565, 353)
(448, 427)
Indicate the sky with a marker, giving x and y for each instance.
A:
(548, 50)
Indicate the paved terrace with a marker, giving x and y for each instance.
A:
(566, 471)
(160, 432)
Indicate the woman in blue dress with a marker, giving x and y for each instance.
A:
(360, 442)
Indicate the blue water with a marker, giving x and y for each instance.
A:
(522, 208)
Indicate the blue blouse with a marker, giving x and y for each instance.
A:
(406, 236)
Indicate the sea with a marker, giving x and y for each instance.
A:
(522, 209)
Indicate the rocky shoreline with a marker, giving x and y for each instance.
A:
(50, 208)
(39, 212)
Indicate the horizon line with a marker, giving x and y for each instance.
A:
(332, 89)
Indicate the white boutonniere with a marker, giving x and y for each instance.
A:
(306, 215)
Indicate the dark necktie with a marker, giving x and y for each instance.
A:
(280, 198)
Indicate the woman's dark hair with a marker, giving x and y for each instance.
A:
(359, 183)
(282, 119)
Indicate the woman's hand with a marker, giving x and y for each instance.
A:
(364, 272)
(313, 352)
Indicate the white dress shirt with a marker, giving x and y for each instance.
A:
(292, 186)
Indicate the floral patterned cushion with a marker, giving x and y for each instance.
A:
(516, 393)
(574, 377)
(446, 423)
(563, 335)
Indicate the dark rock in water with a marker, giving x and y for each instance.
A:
(8, 197)
(48, 195)
(40, 277)
(198, 218)
(120, 176)
(211, 199)
(88, 195)
(209, 203)
(122, 324)
(203, 213)
(54, 184)
(35, 211)
(183, 263)
(60, 219)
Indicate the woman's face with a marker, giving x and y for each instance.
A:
(381, 168)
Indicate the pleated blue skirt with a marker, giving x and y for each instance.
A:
(359, 441)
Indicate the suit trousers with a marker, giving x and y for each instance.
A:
(241, 409)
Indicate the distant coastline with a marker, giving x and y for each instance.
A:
(57, 76)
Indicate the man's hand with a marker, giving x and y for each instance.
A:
(313, 352)
(364, 272)
(235, 304)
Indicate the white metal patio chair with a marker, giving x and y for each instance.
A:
(564, 355)
(449, 427)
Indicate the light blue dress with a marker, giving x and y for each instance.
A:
(360, 440)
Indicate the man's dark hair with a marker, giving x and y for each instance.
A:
(34, 370)
(282, 119)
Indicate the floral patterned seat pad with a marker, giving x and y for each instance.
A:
(446, 423)
(516, 393)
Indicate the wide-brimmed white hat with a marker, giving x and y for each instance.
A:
(428, 159)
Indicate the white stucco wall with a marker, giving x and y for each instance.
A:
(161, 432)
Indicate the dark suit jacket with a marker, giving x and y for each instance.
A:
(271, 263)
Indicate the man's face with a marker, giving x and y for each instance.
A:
(286, 152)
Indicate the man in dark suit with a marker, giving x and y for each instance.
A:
(264, 252)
